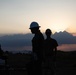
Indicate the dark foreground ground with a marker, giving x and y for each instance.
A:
(65, 63)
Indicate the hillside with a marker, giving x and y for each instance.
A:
(65, 63)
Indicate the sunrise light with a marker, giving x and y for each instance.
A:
(59, 27)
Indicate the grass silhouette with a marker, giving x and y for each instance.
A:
(65, 63)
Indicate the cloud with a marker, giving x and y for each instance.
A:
(16, 40)
(21, 41)
(65, 38)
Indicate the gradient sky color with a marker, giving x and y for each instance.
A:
(58, 15)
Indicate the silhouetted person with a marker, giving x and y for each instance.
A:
(37, 48)
(1, 52)
(50, 49)
(3, 62)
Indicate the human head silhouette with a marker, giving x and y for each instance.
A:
(34, 27)
(48, 32)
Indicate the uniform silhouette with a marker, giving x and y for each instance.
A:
(37, 49)
(3, 63)
(1, 52)
(50, 49)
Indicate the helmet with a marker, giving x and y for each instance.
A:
(48, 31)
(34, 25)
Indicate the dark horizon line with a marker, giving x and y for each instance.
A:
(3, 34)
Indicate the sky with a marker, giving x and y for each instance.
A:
(58, 15)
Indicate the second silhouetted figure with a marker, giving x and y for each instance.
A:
(50, 48)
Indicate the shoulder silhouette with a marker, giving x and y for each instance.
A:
(50, 48)
(37, 49)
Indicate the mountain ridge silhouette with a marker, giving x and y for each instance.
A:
(25, 39)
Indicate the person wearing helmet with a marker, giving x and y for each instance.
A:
(50, 51)
(37, 47)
